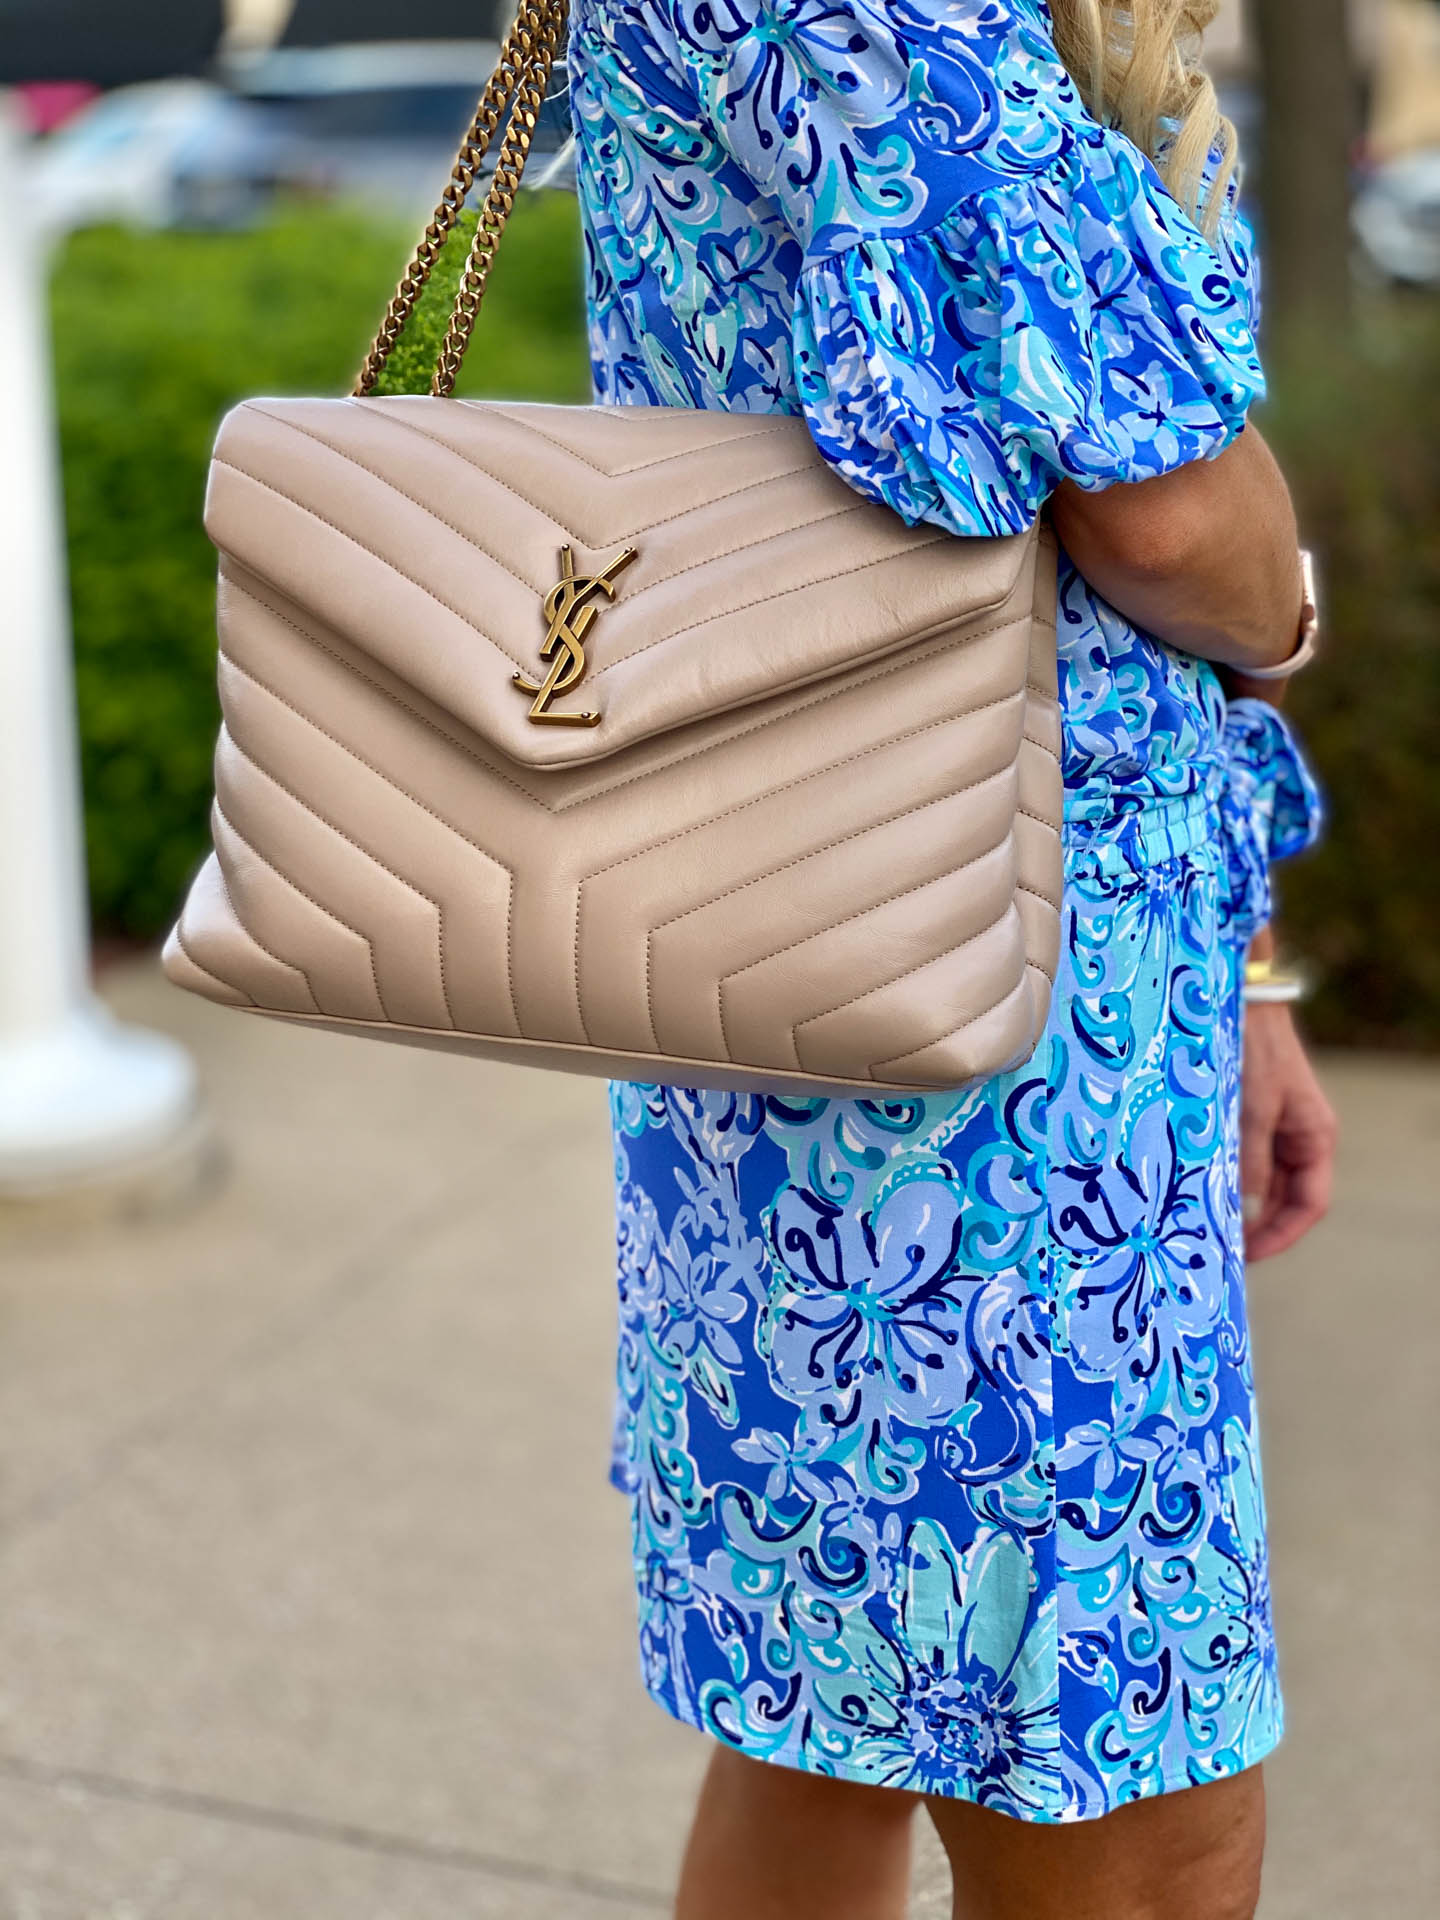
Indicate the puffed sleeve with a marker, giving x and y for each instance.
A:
(997, 292)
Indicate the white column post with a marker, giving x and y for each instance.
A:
(79, 1094)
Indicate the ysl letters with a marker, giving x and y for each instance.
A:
(569, 620)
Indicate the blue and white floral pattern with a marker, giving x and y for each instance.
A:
(936, 1413)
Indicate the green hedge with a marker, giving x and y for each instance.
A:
(1359, 432)
(157, 334)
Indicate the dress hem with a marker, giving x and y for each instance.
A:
(1250, 1755)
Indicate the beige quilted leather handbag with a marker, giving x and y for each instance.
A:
(620, 740)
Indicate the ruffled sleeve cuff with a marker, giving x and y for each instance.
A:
(1069, 324)
(1270, 806)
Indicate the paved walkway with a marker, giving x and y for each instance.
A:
(306, 1613)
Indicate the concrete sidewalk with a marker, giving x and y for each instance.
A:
(307, 1613)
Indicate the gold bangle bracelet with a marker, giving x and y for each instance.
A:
(1269, 984)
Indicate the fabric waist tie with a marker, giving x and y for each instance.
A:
(1254, 800)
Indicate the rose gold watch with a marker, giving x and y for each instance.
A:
(1309, 629)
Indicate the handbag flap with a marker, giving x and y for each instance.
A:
(651, 566)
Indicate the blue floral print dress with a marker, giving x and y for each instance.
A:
(936, 1413)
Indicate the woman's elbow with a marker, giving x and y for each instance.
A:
(1141, 531)
(1205, 557)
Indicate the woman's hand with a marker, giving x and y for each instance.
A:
(1288, 1134)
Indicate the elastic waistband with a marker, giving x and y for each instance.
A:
(1142, 830)
(1253, 798)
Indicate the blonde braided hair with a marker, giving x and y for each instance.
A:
(1137, 62)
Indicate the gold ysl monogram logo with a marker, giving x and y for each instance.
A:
(569, 622)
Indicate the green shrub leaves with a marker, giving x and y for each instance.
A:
(156, 334)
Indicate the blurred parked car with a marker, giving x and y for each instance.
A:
(1397, 219)
(378, 120)
(378, 123)
(162, 154)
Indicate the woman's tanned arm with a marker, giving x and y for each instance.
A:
(1206, 557)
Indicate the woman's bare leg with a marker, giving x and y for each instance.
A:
(770, 1843)
(1193, 1855)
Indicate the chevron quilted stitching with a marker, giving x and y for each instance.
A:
(1039, 817)
(403, 793)
(481, 762)
(294, 887)
(830, 574)
(635, 853)
(785, 866)
(829, 846)
(219, 979)
(394, 419)
(637, 890)
(374, 859)
(690, 627)
(341, 453)
(598, 540)
(974, 1020)
(231, 908)
(741, 546)
(530, 425)
(1036, 894)
(348, 665)
(907, 973)
(1043, 745)
(369, 766)
(633, 594)
(872, 906)
(540, 588)
(744, 606)
(575, 968)
(823, 694)
(335, 527)
(789, 786)
(953, 1033)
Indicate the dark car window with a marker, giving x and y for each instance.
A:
(386, 113)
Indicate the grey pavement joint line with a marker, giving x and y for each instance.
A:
(241, 1813)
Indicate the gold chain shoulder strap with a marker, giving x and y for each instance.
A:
(518, 84)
